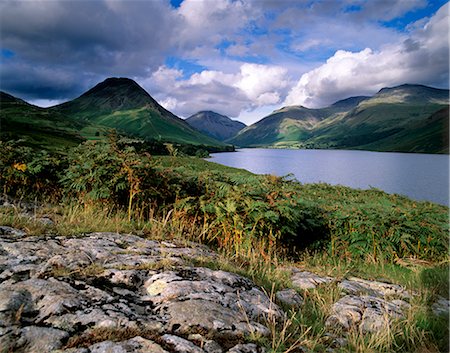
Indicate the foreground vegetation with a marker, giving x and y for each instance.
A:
(260, 225)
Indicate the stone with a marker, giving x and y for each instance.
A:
(47, 221)
(368, 313)
(210, 346)
(307, 280)
(53, 287)
(289, 297)
(246, 348)
(357, 286)
(441, 306)
(133, 345)
(41, 339)
(181, 345)
(11, 232)
(224, 304)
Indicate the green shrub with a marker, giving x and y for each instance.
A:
(29, 173)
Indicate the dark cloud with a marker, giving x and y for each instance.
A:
(81, 41)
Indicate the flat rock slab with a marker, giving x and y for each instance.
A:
(357, 286)
(224, 304)
(367, 313)
(54, 289)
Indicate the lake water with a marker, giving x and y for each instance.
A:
(418, 176)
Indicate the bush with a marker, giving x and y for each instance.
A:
(30, 173)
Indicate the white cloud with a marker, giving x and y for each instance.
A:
(251, 116)
(262, 84)
(422, 58)
(252, 86)
(205, 21)
(237, 50)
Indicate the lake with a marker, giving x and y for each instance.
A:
(418, 176)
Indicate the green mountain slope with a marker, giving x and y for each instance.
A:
(215, 125)
(426, 136)
(407, 118)
(36, 126)
(290, 125)
(120, 103)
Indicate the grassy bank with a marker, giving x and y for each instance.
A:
(260, 225)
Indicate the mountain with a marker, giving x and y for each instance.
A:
(289, 125)
(406, 118)
(120, 103)
(215, 125)
(36, 126)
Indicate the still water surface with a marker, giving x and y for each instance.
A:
(418, 176)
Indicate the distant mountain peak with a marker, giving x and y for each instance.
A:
(116, 93)
(215, 125)
(122, 104)
(115, 83)
(411, 93)
(406, 118)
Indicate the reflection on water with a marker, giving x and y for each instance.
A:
(419, 176)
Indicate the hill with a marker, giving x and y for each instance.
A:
(120, 103)
(289, 125)
(406, 118)
(215, 125)
(36, 126)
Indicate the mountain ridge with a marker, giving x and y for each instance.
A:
(115, 103)
(357, 123)
(215, 125)
(122, 104)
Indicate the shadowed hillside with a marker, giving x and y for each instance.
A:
(215, 125)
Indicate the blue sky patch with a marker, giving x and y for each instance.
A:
(188, 67)
(176, 3)
(7, 54)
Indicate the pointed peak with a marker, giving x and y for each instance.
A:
(113, 83)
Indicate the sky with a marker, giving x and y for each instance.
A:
(240, 58)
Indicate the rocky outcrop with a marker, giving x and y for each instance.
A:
(71, 294)
(366, 313)
(109, 292)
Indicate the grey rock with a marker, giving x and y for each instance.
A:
(11, 232)
(441, 306)
(55, 286)
(357, 286)
(8, 338)
(307, 280)
(368, 313)
(45, 221)
(181, 345)
(210, 346)
(41, 339)
(133, 345)
(222, 303)
(246, 348)
(289, 297)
